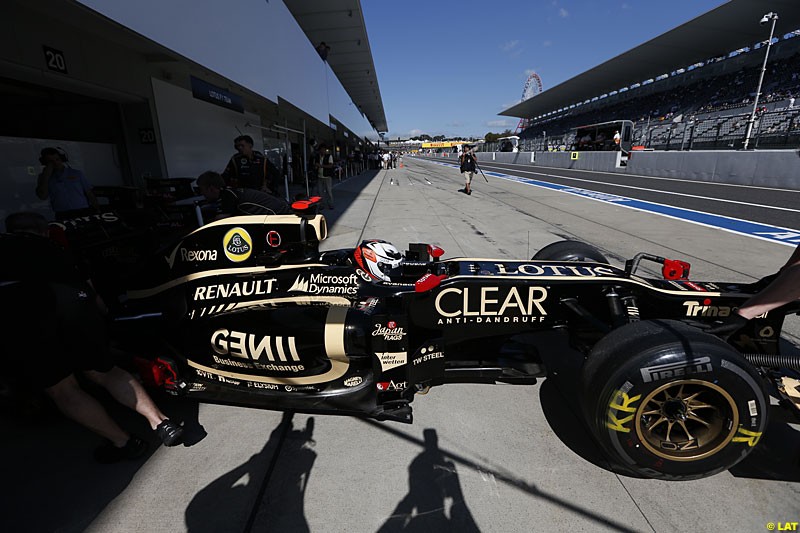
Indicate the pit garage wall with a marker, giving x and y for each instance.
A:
(198, 136)
(254, 43)
(768, 168)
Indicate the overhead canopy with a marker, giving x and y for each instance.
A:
(729, 27)
(340, 24)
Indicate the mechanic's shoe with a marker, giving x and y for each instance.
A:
(169, 432)
(469, 193)
(133, 449)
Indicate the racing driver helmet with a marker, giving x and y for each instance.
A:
(378, 258)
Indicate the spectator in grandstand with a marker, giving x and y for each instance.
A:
(69, 191)
(57, 331)
(249, 168)
(233, 201)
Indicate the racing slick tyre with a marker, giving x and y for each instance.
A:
(569, 251)
(668, 401)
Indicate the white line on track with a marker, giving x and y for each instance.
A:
(646, 189)
(699, 182)
(790, 232)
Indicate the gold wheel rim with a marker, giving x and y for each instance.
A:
(687, 420)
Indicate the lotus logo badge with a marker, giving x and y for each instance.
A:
(238, 245)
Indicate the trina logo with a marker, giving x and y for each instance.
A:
(489, 302)
(706, 309)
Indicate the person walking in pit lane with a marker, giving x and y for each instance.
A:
(468, 165)
(57, 330)
(326, 169)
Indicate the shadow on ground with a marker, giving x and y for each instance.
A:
(434, 501)
(280, 502)
(273, 501)
(506, 478)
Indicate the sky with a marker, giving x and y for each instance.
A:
(449, 67)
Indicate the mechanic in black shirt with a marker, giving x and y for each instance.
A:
(249, 168)
(238, 201)
(56, 330)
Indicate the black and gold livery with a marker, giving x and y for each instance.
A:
(246, 310)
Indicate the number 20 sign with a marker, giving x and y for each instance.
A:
(54, 59)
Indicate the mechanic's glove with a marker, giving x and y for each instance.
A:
(758, 286)
(728, 326)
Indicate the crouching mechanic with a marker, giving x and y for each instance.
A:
(56, 330)
(775, 290)
(238, 201)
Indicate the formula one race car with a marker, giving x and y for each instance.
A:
(246, 310)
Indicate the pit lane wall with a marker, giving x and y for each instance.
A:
(767, 168)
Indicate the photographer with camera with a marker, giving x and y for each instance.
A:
(69, 191)
(468, 164)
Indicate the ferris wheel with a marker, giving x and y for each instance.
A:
(533, 86)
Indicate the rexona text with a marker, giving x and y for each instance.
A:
(198, 255)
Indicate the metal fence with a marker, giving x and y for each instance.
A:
(775, 129)
(772, 129)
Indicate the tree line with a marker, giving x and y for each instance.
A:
(489, 137)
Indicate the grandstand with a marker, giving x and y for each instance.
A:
(691, 88)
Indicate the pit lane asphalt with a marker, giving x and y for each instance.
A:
(478, 457)
(768, 205)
